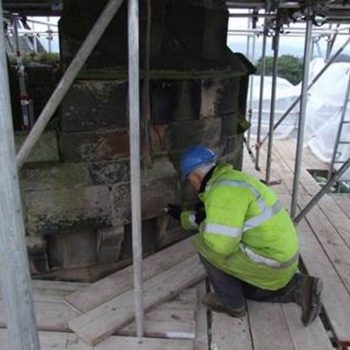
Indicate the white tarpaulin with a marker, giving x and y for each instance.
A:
(324, 108)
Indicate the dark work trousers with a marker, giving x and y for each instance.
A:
(233, 291)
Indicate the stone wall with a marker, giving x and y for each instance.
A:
(76, 188)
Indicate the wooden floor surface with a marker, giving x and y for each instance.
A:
(325, 249)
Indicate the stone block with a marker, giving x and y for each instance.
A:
(46, 149)
(155, 195)
(40, 177)
(180, 135)
(214, 34)
(72, 249)
(109, 244)
(93, 104)
(94, 146)
(37, 255)
(106, 173)
(149, 239)
(54, 211)
(169, 231)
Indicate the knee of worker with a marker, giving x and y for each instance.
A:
(258, 275)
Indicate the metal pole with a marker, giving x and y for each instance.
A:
(284, 116)
(250, 112)
(146, 103)
(135, 169)
(14, 269)
(23, 95)
(66, 81)
(261, 97)
(303, 105)
(340, 128)
(275, 41)
(324, 190)
(49, 38)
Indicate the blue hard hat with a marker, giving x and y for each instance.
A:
(194, 157)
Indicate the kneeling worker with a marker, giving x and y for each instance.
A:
(246, 241)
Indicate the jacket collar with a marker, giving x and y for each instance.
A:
(206, 179)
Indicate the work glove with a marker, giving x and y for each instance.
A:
(174, 211)
(200, 213)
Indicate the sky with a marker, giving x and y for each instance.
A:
(288, 44)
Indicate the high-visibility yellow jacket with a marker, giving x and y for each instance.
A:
(246, 232)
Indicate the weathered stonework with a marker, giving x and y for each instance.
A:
(46, 149)
(109, 244)
(90, 105)
(52, 211)
(77, 199)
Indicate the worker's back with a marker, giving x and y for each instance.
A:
(261, 244)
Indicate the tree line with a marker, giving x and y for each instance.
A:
(289, 67)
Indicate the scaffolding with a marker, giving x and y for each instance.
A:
(13, 258)
(312, 34)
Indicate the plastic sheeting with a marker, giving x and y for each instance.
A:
(324, 109)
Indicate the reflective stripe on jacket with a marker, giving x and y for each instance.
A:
(246, 231)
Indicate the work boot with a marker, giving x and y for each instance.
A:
(213, 302)
(309, 298)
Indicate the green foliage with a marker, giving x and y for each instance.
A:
(48, 58)
(289, 67)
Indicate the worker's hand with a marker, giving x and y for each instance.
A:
(174, 211)
(199, 216)
(200, 213)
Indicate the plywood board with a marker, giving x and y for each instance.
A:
(104, 290)
(97, 324)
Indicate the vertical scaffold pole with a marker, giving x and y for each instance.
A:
(135, 168)
(14, 268)
(276, 42)
(303, 105)
(261, 96)
(251, 90)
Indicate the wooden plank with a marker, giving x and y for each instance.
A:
(343, 201)
(201, 341)
(66, 341)
(122, 281)
(50, 316)
(249, 168)
(312, 337)
(58, 285)
(335, 297)
(228, 333)
(338, 253)
(187, 300)
(97, 324)
(173, 319)
(165, 322)
(269, 327)
(329, 208)
(163, 329)
(226, 330)
(288, 157)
